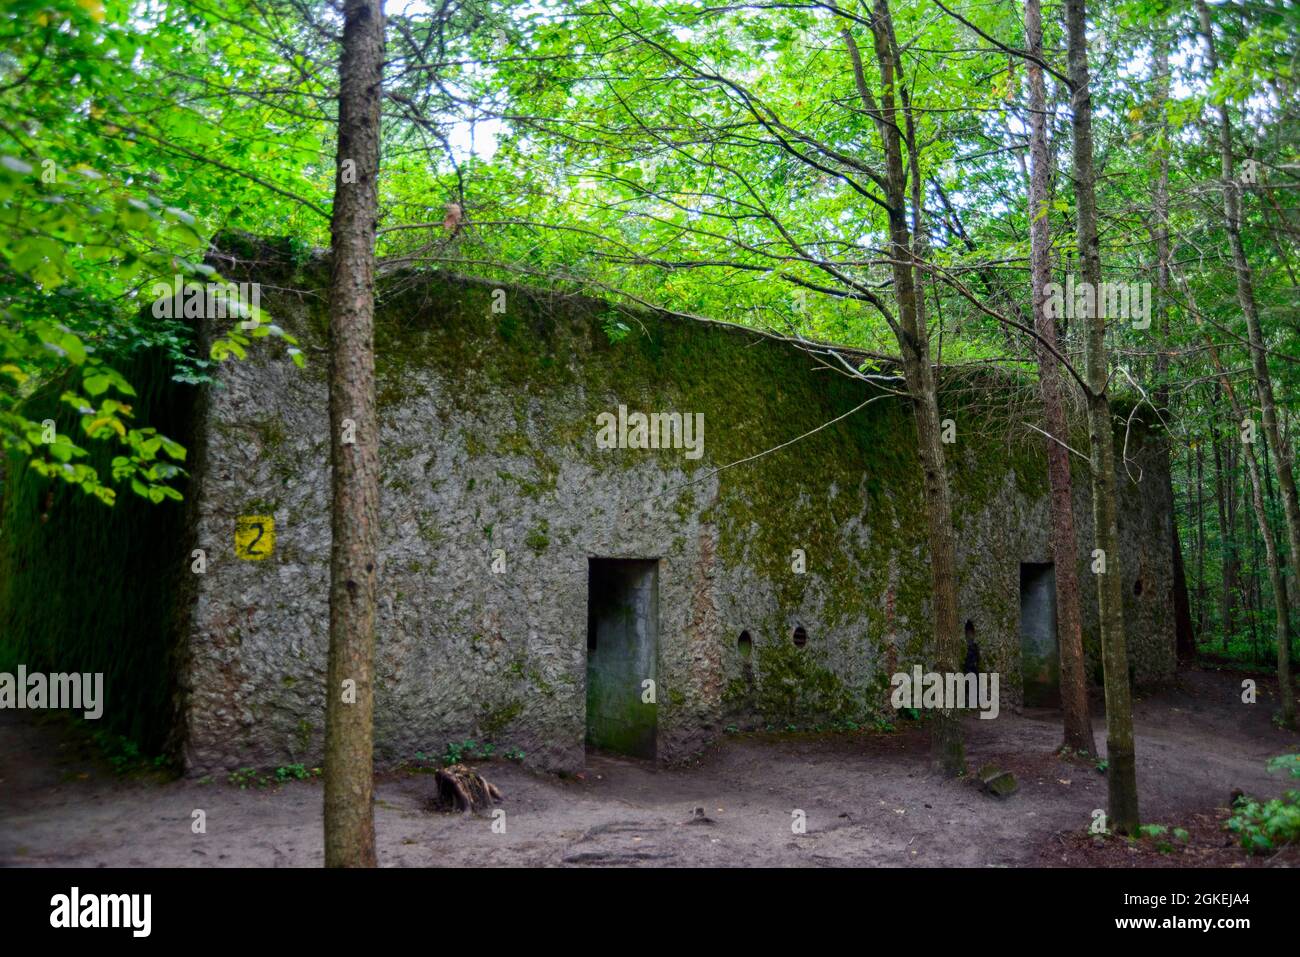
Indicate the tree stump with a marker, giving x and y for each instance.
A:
(459, 788)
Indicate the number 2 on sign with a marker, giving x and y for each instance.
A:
(254, 537)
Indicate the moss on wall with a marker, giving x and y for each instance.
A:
(758, 393)
(534, 378)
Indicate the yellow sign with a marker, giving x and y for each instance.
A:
(254, 537)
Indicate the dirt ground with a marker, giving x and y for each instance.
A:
(869, 800)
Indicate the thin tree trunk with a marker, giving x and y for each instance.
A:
(1270, 499)
(1226, 544)
(354, 516)
(1256, 599)
(1160, 223)
(1184, 641)
(946, 746)
(1121, 758)
(1065, 549)
(1271, 555)
(1258, 355)
(1230, 458)
(946, 739)
(1184, 634)
(1200, 542)
(1238, 550)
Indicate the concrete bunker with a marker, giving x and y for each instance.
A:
(505, 524)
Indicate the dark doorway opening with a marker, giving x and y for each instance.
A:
(1040, 659)
(622, 654)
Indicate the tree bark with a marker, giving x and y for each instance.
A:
(1184, 633)
(1160, 223)
(947, 749)
(1122, 765)
(1200, 542)
(1258, 354)
(354, 516)
(1227, 543)
(1065, 548)
(1184, 638)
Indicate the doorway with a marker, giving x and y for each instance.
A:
(622, 654)
(1040, 659)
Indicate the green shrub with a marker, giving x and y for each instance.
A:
(1262, 826)
(246, 778)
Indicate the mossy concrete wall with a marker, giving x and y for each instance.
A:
(489, 443)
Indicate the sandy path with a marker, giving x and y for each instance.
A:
(868, 799)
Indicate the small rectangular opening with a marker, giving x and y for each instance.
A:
(1040, 660)
(622, 654)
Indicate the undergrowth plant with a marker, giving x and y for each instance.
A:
(1263, 826)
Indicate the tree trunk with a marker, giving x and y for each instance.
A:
(354, 516)
(1122, 765)
(1184, 634)
(1160, 223)
(1065, 549)
(1184, 639)
(1235, 549)
(1222, 494)
(946, 739)
(1270, 497)
(1200, 542)
(1258, 355)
